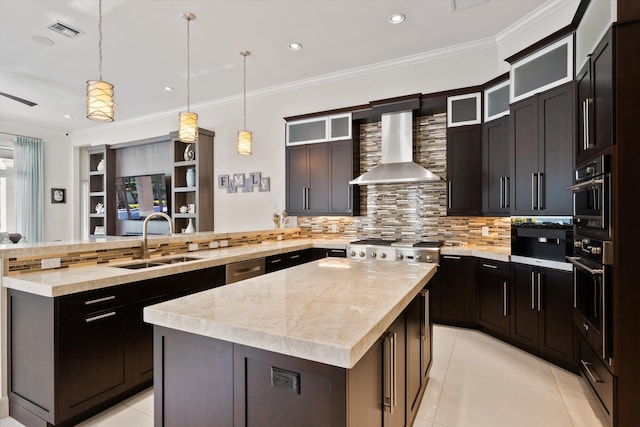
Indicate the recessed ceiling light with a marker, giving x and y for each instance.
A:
(68, 116)
(43, 40)
(168, 88)
(295, 46)
(397, 18)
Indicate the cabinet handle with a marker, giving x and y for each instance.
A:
(425, 317)
(98, 300)
(490, 266)
(533, 191)
(587, 367)
(387, 400)
(502, 192)
(507, 191)
(585, 125)
(294, 256)
(541, 195)
(100, 316)
(349, 198)
(450, 257)
(504, 299)
(533, 290)
(394, 373)
(449, 193)
(539, 303)
(275, 261)
(308, 191)
(575, 288)
(304, 198)
(246, 270)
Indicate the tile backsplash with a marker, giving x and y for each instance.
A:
(415, 211)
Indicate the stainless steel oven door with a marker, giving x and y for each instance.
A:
(592, 203)
(591, 303)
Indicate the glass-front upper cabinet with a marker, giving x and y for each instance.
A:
(549, 67)
(464, 109)
(319, 129)
(496, 101)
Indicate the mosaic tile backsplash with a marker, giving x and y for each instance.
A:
(414, 211)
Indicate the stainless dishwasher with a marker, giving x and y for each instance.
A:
(244, 270)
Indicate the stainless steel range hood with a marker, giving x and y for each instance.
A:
(397, 154)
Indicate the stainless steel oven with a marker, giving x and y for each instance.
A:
(592, 198)
(591, 261)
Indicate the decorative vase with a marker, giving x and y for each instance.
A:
(100, 166)
(191, 177)
(189, 153)
(190, 228)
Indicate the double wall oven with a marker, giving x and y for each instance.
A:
(592, 261)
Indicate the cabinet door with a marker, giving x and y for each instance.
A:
(456, 283)
(464, 170)
(555, 133)
(318, 187)
(585, 103)
(556, 305)
(524, 316)
(341, 172)
(495, 166)
(523, 130)
(418, 352)
(365, 389)
(602, 86)
(92, 360)
(297, 180)
(493, 301)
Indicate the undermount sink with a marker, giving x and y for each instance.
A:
(156, 262)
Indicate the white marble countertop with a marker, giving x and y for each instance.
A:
(329, 311)
(59, 282)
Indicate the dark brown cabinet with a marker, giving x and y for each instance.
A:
(318, 178)
(594, 86)
(492, 295)
(418, 357)
(286, 260)
(542, 133)
(464, 170)
(495, 167)
(541, 318)
(453, 296)
(71, 356)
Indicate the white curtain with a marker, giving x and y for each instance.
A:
(28, 162)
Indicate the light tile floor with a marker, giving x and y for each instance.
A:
(476, 381)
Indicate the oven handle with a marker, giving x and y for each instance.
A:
(587, 184)
(576, 261)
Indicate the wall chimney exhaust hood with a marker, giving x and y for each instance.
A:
(397, 154)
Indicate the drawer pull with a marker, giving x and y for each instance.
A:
(295, 256)
(247, 270)
(587, 367)
(99, 300)
(100, 316)
(451, 257)
(275, 261)
(490, 266)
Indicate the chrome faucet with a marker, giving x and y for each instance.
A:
(145, 248)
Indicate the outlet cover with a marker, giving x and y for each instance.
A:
(193, 247)
(279, 237)
(213, 245)
(485, 231)
(50, 263)
(224, 243)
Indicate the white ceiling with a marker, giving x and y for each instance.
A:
(144, 47)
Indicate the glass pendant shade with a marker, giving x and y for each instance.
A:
(245, 142)
(100, 101)
(188, 127)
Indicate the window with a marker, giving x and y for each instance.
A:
(7, 211)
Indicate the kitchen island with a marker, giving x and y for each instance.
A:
(332, 342)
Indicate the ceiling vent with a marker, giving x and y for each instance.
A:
(65, 30)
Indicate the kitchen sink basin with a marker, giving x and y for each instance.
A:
(156, 262)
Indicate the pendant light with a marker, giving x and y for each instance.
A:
(100, 93)
(188, 121)
(245, 142)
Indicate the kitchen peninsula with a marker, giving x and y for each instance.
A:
(322, 343)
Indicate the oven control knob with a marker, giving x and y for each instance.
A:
(400, 256)
(361, 254)
(595, 251)
(373, 254)
(590, 170)
(383, 255)
(353, 253)
(429, 258)
(418, 257)
(577, 244)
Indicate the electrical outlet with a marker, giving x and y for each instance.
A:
(50, 263)
(213, 245)
(334, 228)
(485, 231)
(284, 379)
(279, 237)
(224, 243)
(193, 247)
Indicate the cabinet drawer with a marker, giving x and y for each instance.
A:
(83, 303)
(493, 267)
(598, 376)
